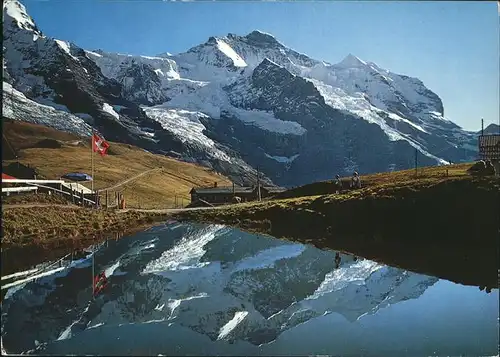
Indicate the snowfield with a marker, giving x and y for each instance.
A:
(16, 106)
(109, 109)
(187, 127)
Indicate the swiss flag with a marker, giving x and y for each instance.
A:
(99, 144)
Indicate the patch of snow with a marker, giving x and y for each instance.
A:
(67, 331)
(31, 278)
(231, 324)
(173, 304)
(18, 274)
(16, 106)
(398, 118)
(109, 271)
(267, 121)
(109, 109)
(283, 159)
(159, 307)
(187, 127)
(112, 64)
(13, 290)
(96, 325)
(65, 46)
(229, 52)
(186, 253)
(354, 274)
(267, 258)
(95, 54)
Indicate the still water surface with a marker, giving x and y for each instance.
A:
(181, 289)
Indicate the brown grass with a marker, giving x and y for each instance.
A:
(155, 190)
(405, 177)
(32, 198)
(32, 235)
(53, 225)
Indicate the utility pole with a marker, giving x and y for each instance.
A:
(13, 109)
(482, 127)
(258, 185)
(416, 162)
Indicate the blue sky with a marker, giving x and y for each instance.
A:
(453, 47)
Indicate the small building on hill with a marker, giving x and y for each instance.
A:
(489, 149)
(220, 195)
(20, 171)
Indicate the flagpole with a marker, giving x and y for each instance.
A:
(92, 158)
(93, 272)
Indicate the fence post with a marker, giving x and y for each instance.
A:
(106, 195)
(82, 198)
(73, 195)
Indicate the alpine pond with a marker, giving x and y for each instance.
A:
(180, 289)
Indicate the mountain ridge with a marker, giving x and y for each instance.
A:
(187, 103)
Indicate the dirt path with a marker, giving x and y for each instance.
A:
(130, 179)
(169, 210)
(161, 211)
(31, 205)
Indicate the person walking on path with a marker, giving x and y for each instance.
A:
(355, 181)
(338, 184)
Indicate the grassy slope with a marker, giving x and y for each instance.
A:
(436, 225)
(154, 190)
(34, 234)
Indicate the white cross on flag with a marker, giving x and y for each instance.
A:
(99, 144)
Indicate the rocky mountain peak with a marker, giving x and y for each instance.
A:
(259, 38)
(351, 61)
(15, 13)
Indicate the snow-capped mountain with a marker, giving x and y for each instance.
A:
(236, 101)
(16, 106)
(61, 75)
(491, 129)
(218, 282)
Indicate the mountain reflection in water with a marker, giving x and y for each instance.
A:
(181, 289)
